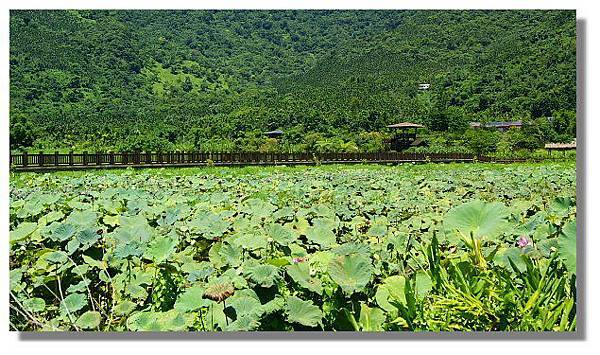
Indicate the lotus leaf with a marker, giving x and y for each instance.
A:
(351, 272)
(89, 320)
(567, 245)
(263, 275)
(483, 220)
(303, 312)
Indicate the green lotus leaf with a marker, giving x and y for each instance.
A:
(72, 246)
(245, 305)
(258, 208)
(56, 257)
(197, 271)
(231, 254)
(144, 321)
(16, 276)
(303, 312)
(320, 260)
(32, 207)
(136, 291)
(82, 219)
(63, 232)
(484, 220)
(278, 262)
(233, 276)
(423, 284)
(251, 241)
(301, 225)
(514, 254)
(81, 286)
(134, 228)
(560, 206)
(215, 257)
(161, 248)
(282, 235)
(215, 316)
(352, 248)
(88, 236)
(209, 225)
(34, 305)
(391, 290)
(371, 319)
(192, 299)
(93, 262)
(22, 232)
(125, 307)
(175, 320)
(567, 246)
(243, 324)
(89, 320)
(112, 221)
(126, 250)
(275, 305)
(73, 303)
(321, 235)
(377, 230)
(351, 272)
(263, 275)
(172, 215)
(50, 217)
(300, 273)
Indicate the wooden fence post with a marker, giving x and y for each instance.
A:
(25, 159)
(41, 159)
(85, 157)
(56, 158)
(70, 157)
(111, 158)
(97, 158)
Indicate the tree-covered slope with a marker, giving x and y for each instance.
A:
(500, 64)
(155, 79)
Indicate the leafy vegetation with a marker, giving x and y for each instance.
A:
(214, 80)
(423, 248)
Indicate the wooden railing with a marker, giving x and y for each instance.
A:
(85, 160)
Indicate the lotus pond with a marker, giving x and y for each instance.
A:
(367, 248)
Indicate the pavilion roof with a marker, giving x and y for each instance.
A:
(406, 125)
(572, 145)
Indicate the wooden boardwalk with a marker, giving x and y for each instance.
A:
(101, 160)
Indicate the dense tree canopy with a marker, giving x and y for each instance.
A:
(201, 79)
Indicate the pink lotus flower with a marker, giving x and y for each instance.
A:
(522, 242)
(298, 260)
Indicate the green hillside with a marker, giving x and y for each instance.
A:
(202, 79)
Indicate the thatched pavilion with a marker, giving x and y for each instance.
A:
(405, 135)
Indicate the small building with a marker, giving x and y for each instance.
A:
(424, 86)
(501, 126)
(274, 134)
(560, 146)
(405, 136)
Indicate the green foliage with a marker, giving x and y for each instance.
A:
(567, 245)
(478, 219)
(350, 272)
(303, 312)
(214, 80)
(482, 141)
(365, 248)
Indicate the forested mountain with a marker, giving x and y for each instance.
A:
(169, 79)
